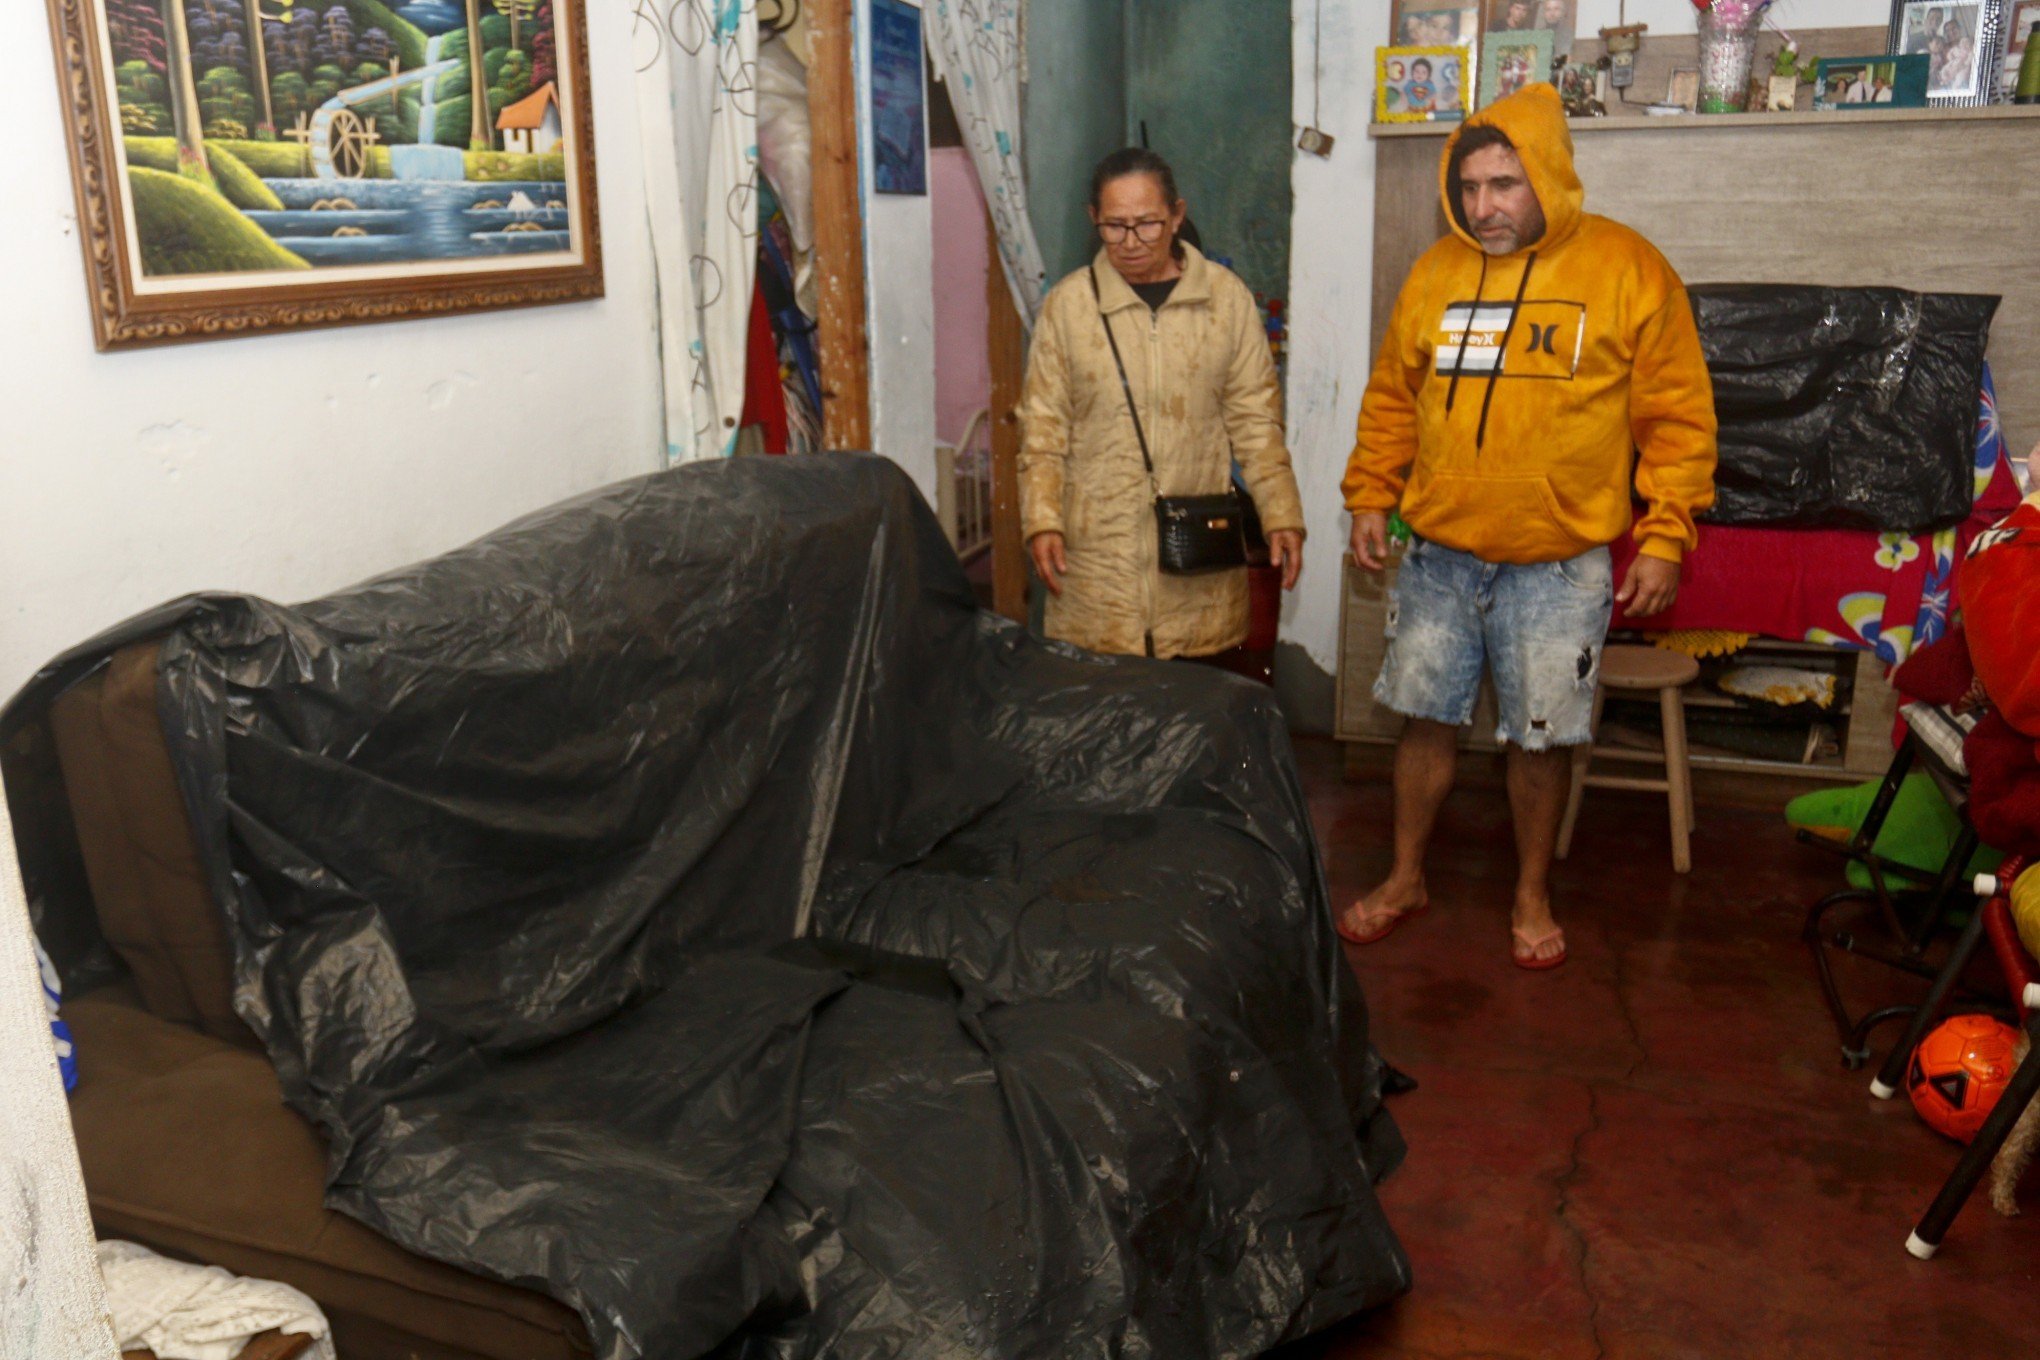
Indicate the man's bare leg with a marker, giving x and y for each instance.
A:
(1425, 760)
(1538, 784)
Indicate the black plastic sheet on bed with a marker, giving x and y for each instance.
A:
(1851, 408)
(683, 901)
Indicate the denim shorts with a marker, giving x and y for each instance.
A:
(1539, 628)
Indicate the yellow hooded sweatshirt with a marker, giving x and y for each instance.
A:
(1512, 392)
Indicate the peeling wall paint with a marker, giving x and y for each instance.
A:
(289, 465)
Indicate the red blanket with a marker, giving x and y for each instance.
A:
(1885, 593)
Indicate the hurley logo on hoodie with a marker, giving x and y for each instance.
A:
(1538, 339)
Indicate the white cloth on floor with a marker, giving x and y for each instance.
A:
(188, 1312)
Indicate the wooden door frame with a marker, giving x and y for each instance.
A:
(844, 339)
(1007, 349)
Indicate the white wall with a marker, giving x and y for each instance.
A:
(899, 243)
(1331, 260)
(289, 465)
(1677, 16)
(1331, 254)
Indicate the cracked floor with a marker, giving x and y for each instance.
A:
(1654, 1151)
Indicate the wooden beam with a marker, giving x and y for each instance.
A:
(1008, 348)
(839, 227)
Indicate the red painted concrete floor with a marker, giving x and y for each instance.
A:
(1653, 1151)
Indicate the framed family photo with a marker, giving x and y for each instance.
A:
(1438, 23)
(1961, 40)
(254, 165)
(1419, 84)
(1559, 18)
(1510, 61)
(1876, 82)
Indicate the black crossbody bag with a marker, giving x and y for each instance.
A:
(1197, 534)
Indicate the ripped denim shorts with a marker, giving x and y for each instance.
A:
(1539, 628)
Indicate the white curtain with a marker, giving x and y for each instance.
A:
(698, 120)
(50, 1297)
(977, 48)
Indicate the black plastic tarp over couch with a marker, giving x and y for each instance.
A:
(683, 901)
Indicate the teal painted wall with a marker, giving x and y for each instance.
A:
(1074, 115)
(1212, 80)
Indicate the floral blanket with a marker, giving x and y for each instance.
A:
(1882, 593)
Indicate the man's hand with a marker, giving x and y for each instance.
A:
(1049, 563)
(1285, 550)
(1650, 588)
(1370, 539)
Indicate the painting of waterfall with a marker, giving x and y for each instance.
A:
(250, 165)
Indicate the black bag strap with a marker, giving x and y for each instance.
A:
(1124, 386)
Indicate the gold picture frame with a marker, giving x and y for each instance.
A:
(190, 233)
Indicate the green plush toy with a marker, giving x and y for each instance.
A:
(1919, 832)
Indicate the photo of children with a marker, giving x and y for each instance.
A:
(1420, 83)
(1436, 23)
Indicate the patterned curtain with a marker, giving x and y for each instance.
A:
(976, 46)
(697, 66)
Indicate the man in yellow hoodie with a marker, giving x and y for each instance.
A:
(1537, 355)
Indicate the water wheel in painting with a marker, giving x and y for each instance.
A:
(353, 140)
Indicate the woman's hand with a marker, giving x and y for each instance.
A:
(1049, 563)
(1285, 550)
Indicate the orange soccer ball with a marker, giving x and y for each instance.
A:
(1959, 1071)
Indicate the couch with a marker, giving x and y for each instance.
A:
(679, 924)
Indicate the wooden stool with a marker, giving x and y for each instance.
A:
(1636, 669)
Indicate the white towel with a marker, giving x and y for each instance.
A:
(187, 1312)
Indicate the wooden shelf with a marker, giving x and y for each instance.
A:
(1829, 118)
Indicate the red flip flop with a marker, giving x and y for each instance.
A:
(1382, 932)
(1531, 963)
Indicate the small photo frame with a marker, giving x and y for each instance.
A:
(1436, 23)
(2025, 15)
(1876, 82)
(1419, 84)
(1683, 88)
(1962, 41)
(1511, 60)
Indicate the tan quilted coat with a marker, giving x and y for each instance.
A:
(1206, 386)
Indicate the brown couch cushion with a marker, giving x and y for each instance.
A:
(155, 907)
(188, 1148)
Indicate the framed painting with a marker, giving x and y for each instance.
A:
(255, 165)
(899, 100)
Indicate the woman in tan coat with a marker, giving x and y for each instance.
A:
(1202, 377)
